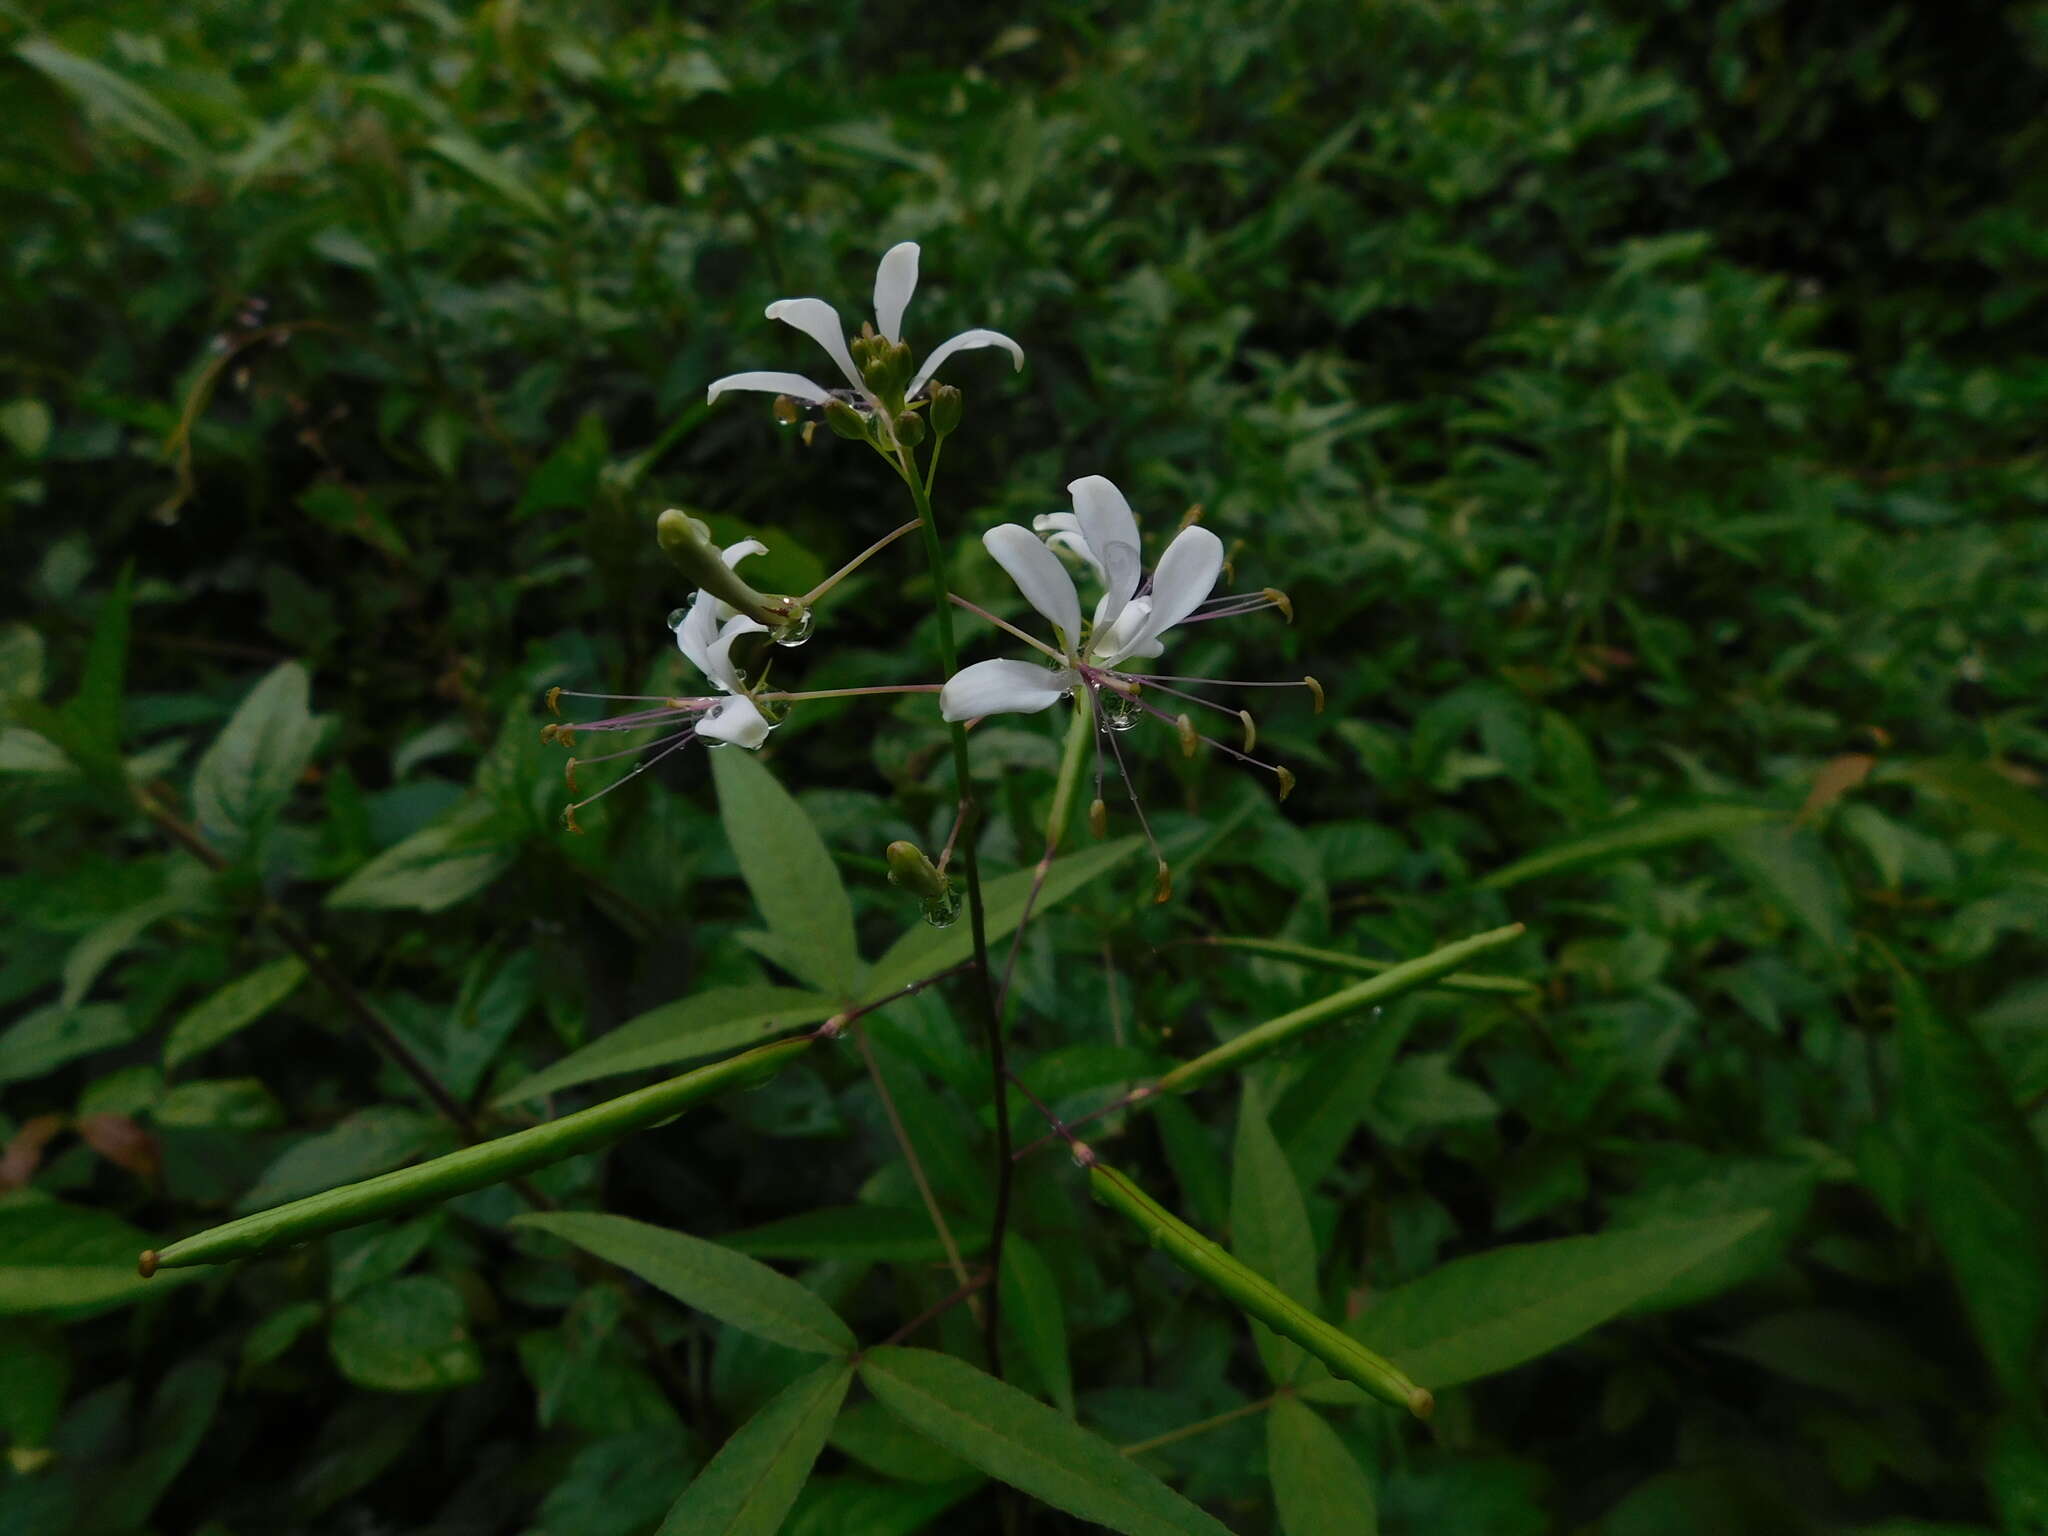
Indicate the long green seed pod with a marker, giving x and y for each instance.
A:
(1251, 1292)
(488, 1162)
(1478, 985)
(1261, 1038)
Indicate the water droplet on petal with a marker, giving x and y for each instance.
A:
(796, 631)
(1119, 710)
(676, 617)
(943, 910)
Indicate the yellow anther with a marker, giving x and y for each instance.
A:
(569, 821)
(1286, 782)
(1251, 731)
(569, 774)
(1279, 600)
(1162, 884)
(1316, 689)
(554, 701)
(1098, 818)
(1189, 739)
(548, 733)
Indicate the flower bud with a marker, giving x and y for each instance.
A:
(909, 430)
(945, 409)
(687, 543)
(844, 420)
(910, 869)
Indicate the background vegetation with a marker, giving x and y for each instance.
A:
(1642, 404)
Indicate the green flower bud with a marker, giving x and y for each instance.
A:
(687, 543)
(945, 409)
(909, 430)
(910, 869)
(844, 420)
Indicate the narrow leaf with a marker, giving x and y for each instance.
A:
(1488, 1313)
(491, 171)
(1982, 1182)
(749, 1486)
(703, 1025)
(713, 1279)
(233, 1008)
(248, 773)
(1990, 796)
(925, 950)
(1630, 836)
(113, 98)
(1269, 1229)
(436, 867)
(879, 1232)
(1024, 1443)
(1032, 1308)
(1318, 1485)
(1359, 965)
(786, 866)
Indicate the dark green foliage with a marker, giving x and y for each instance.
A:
(1642, 406)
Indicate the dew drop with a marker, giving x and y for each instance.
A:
(676, 617)
(796, 631)
(943, 910)
(1119, 710)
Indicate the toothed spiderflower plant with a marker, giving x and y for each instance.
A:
(1103, 658)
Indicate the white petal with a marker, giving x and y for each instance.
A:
(1076, 546)
(1111, 643)
(1186, 575)
(1055, 522)
(965, 341)
(895, 282)
(1002, 688)
(794, 385)
(1106, 522)
(718, 662)
(1039, 576)
(819, 321)
(735, 720)
(698, 630)
(733, 554)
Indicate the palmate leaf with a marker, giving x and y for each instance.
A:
(749, 1486)
(707, 1276)
(1488, 1313)
(1022, 1442)
(792, 877)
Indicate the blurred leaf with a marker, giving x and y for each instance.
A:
(247, 775)
(112, 97)
(49, 1037)
(792, 877)
(1629, 836)
(751, 1483)
(1990, 796)
(1269, 1229)
(1317, 1483)
(1982, 1184)
(713, 1279)
(1024, 1443)
(493, 172)
(67, 1259)
(1036, 1318)
(179, 1416)
(1488, 1313)
(36, 1365)
(849, 1232)
(703, 1025)
(925, 950)
(367, 1142)
(406, 1335)
(436, 867)
(1792, 867)
(234, 1007)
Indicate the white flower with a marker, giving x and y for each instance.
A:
(706, 635)
(1126, 624)
(895, 281)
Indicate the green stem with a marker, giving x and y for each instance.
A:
(1202, 1426)
(1359, 965)
(977, 917)
(488, 1162)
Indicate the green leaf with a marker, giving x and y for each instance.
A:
(751, 1483)
(1037, 1319)
(113, 938)
(36, 1365)
(491, 171)
(247, 775)
(233, 1008)
(179, 1415)
(406, 1335)
(369, 1141)
(883, 1443)
(113, 98)
(51, 1036)
(713, 1279)
(1792, 867)
(925, 950)
(1982, 1183)
(703, 1025)
(437, 866)
(881, 1232)
(795, 884)
(1024, 1443)
(1269, 1229)
(69, 1260)
(1488, 1313)
(1631, 835)
(1990, 796)
(1318, 1485)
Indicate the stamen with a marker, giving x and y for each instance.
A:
(1030, 640)
(555, 701)
(1098, 818)
(1190, 738)
(674, 744)
(1315, 688)
(1251, 731)
(1280, 600)
(1162, 886)
(1182, 724)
